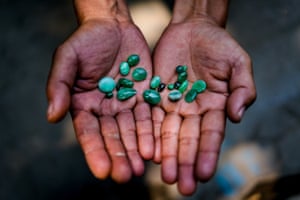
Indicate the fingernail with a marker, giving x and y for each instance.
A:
(241, 112)
(50, 110)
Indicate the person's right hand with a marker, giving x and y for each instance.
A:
(115, 136)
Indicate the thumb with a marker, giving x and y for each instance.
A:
(242, 88)
(60, 82)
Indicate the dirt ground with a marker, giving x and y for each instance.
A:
(43, 161)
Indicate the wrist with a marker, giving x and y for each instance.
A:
(215, 10)
(101, 9)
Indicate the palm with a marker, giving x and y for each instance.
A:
(196, 129)
(106, 128)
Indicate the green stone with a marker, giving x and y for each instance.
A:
(171, 86)
(177, 85)
(139, 74)
(106, 84)
(161, 87)
(133, 60)
(109, 95)
(191, 95)
(175, 95)
(155, 81)
(182, 77)
(199, 86)
(151, 96)
(184, 85)
(124, 68)
(125, 93)
(181, 68)
(124, 82)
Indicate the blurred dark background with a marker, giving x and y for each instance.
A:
(43, 161)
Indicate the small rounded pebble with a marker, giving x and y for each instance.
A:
(174, 95)
(124, 68)
(183, 86)
(151, 96)
(125, 93)
(106, 84)
(139, 74)
(109, 95)
(199, 86)
(177, 85)
(181, 68)
(124, 82)
(161, 87)
(155, 81)
(191, 95)
(171, 86)
(182, 77)
(133, 60)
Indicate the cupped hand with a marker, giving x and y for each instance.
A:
(191, 134)
(115, 136)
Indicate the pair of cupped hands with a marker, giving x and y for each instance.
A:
(117, 136)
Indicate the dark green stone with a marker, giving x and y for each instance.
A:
(133, 60)
(171, 86)
(199, 86)
(175, 95)
(124, 82)
(109, 95)
(181, 68)
(139, 74)
(184, 85)
(177, 85)
(106, 84)
(155, 81)
(151, 96)
(124, 68)
(161, 87)
(125, 93)
(191, 95)
(182, 77)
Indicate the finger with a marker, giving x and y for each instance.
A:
(188, 146)
(60, 81)
(88, 134)
(143, 120)
(126, 123)
(170, 130)
(211, 136)
(157, 118)
(242, 87)
(121, 170)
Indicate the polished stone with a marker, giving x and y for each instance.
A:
(191, 96)
(174, 95)
(124, 82)
(139, 74)
(151, 96)
(106, 84)
(199, 86)
(155, 81)
(177, 85)
(184, 85)
(161, 87)
(133, 60)
(125, 93)
(171, 86)
(181, 68)
(182, 77)
(109, 95)
(124, 68)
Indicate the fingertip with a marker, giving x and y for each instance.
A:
(169, 171)
(121, 173)
(186, 181)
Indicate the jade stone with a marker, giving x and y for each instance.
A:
(106, 84)
(133, 60)
(151, 96)
(124, 68)
(139, 74)
(174, 95)
(183, 86)
(155, 81)
(199, 86)
(182, 77)
(109, 95)
(161, 87)
(181, 68)
(171, 86)
(125, 93)
(177, 85)
(191, 95)
(124, 82)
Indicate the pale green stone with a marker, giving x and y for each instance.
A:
(106, 84)
(184, 85)
(125, 93)
(191, 96)
(175, 95)
(133, 60)
(155, 81)
(181, 68)
(182, 77)
(124, 68)
(139, 74)
(199, 86)
(151, 96)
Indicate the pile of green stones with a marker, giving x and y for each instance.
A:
(125, 90)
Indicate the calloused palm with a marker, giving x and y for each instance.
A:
(191, 133)
(114, 135)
